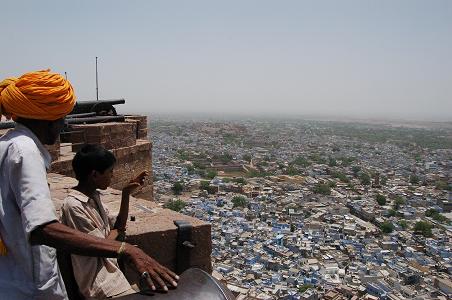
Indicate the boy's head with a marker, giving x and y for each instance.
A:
(94, 164)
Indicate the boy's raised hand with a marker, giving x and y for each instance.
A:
(135, 182)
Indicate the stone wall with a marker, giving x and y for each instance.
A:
(142, 125)
(131, 161)
(127, 140)
(110, 135)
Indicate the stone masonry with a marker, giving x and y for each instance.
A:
(128, 142)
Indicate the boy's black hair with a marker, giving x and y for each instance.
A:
(91, 157)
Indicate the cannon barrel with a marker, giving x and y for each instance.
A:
(97, 119)
(101, 107)
(85, 115)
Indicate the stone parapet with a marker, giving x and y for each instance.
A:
(110, 135)
(142, 125)
(130, 161)
(152, 230)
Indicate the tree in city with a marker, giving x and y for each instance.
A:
(387, 227)
(176, 205)
(442, 185)
(317, 158)
(323, 189)
(199, 165)
(239, 180)
(435, 215)
(392, 213)
(239, 201)
(292, 171)
(414, 179)
(183, 155)
(247, 157)
(205, 185)
(398, 201)
(341, 176)
(226, 158)
(381, 200)
(346, 161)
(332, 162)
(355, 170)
(177, 188)
(364, 178)
(332, 184)
(424, 228)
(304, 288)
(211, 174)
(301, 161)
(402, 223)
(190, 169)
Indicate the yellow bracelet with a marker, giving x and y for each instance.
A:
(121, 249)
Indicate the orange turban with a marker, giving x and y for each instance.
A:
(37, 95)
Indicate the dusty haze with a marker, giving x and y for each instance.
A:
(379, 59)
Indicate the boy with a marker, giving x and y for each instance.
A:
(97, 277)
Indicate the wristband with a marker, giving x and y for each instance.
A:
(121, 249)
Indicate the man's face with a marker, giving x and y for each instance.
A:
(53, 131)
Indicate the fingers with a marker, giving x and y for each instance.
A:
(159, 280)
(152, 271)
(140, 178)
(169, 277)
(160, 275)
(148, 279)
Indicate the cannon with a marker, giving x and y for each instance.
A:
(101, 107)
(85, 115)
(96, 119)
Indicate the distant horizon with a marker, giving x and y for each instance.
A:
(289, 116)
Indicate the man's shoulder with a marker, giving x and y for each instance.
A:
(19, 142)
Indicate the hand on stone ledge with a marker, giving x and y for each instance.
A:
(157, 273)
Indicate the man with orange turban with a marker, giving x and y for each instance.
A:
(29, 230)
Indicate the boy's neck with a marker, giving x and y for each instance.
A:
(86, 188)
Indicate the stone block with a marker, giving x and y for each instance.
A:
(110, 135)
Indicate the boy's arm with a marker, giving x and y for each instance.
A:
(62, 237)
(121, 220)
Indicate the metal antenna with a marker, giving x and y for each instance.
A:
(97, 83)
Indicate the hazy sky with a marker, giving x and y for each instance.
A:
(349, 58)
